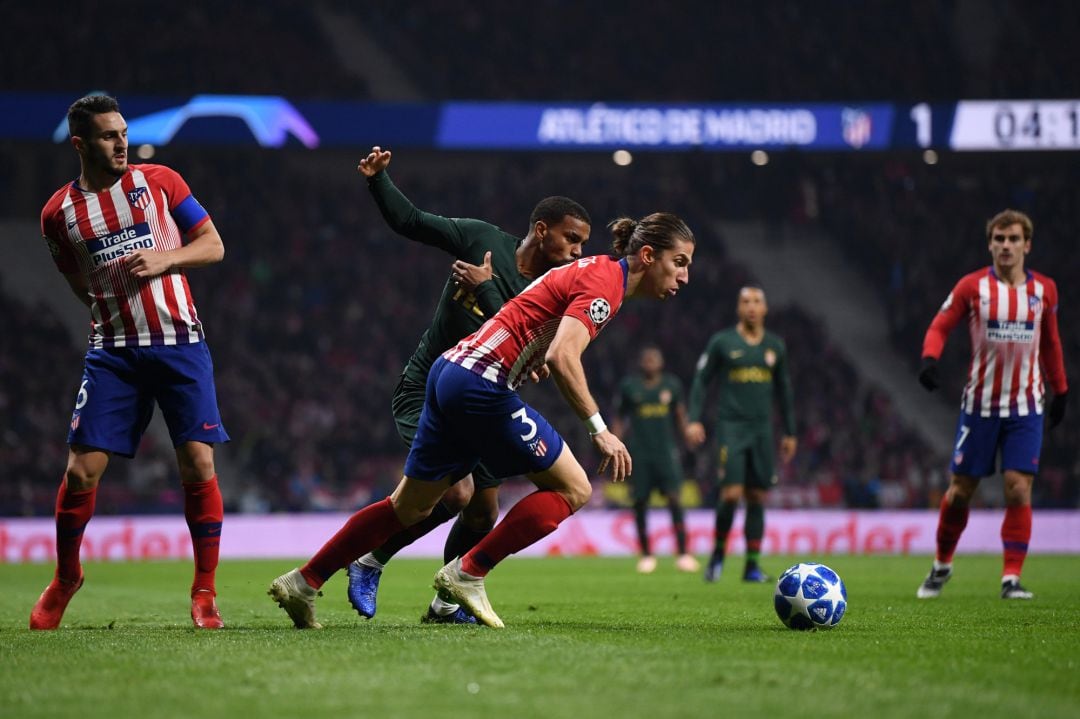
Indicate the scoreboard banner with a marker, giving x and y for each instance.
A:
(272, 121)
(604, 533)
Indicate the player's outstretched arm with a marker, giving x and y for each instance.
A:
(564, 360)
(401, 215)
(204, 247)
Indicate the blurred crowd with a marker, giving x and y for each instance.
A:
(586, 50)
(317, 305)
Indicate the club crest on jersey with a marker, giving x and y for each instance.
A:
(599, 311)
(770, 358)
(538, 447)
(139, 198)
(1034, 304)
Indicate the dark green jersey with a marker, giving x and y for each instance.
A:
(749, 376)
(651, 409)
(459, 313)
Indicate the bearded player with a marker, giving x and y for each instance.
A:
(117, 234)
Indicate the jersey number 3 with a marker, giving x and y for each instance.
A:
(527, 421)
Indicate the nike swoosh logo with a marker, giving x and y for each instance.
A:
(210, 426)
(72, 224)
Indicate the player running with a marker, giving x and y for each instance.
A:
(653, 400)
(491, 266)
(472, 413)
(1012, 317)
(116, 234)
(751, 366)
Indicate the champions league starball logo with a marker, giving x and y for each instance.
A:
(599, 310)
(271, 120)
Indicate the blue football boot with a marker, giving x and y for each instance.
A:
(363, 586)
(461, 616)
(714, 567)
(754, 573)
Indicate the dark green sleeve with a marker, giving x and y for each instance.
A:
(676, 390)
(488, 298)
(620, 400)
(707, 366)
(405, 219)
(784, 395)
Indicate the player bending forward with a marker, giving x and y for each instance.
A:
(1012, 316)
(472, 413)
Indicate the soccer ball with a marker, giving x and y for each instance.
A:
(810, 596)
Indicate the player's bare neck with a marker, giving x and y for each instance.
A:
(753, 334)
(527, 257)
(96, 181)
(1013, 276)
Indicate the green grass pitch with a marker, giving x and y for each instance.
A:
(585, 638)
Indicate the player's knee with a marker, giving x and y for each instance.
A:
(410, 513)
(458, 496)
(1017, 489)
(578, 492)
(80, 477)
(961, 490)
(195, 460)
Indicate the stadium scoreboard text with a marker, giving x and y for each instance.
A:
(271, 121)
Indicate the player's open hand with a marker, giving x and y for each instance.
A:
(147, 263)
(470, 277)
(376, 161)
(695, 435)
(614, 454)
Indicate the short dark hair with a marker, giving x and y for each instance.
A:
(1010, 217)
(80, 112)
(553, 209)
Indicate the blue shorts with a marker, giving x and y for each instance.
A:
(979, 438)
(466, 419)
(121, 384)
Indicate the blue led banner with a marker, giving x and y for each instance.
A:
(272, 121)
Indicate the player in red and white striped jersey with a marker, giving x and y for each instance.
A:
(1012, 318)
(117, 234)
(472, 413)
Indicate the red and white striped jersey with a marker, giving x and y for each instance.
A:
(89, 234)
(515, 341)
(1014, 341)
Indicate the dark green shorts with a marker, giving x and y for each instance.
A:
(407, 403)
(746, 454)
(658, 471)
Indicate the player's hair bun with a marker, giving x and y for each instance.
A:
(622, 230)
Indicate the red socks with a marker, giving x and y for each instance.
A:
(1015, 535)
(528, 521)
(204, 512)
(951, 523)
(365, 530)
(73, 512)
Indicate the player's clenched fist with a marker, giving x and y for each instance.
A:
(376, 161)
